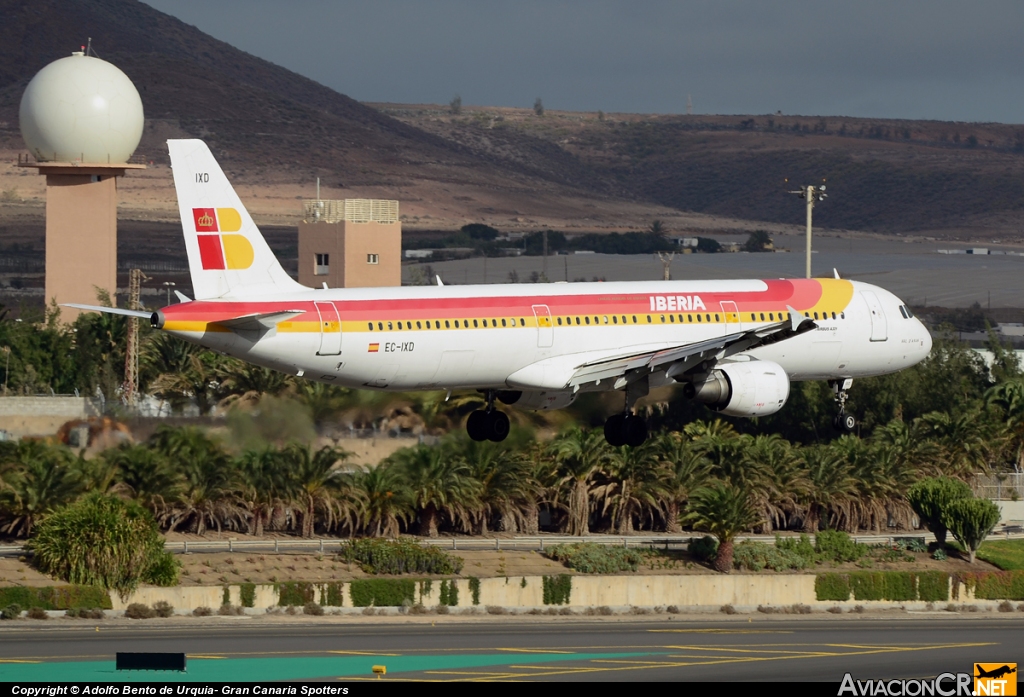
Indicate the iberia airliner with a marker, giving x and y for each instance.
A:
(733, 345)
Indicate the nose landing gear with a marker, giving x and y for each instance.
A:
(842, 421)
(488, 424)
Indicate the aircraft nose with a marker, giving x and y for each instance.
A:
(926, 338)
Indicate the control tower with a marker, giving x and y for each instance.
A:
(350, 243)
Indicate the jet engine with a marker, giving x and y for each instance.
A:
(537, 401)
(754, 388)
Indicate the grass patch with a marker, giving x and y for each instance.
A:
(377, 556)
(592, 558)
(1008, 555)
(382, 592)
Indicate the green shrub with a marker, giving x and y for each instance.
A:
(592, 558)
(11, 612)
(930, 497)
(837, 546)
(705, 549)
(225, 596)
(932, 586)
(37, 613)
(900, 585)
(970, 521)
(450, 593)
(164, 571)
(312, 609)
(868, 585)
(832, 587)
(382, 592)
(103, 541)
(247, 594)
(332, 594)
(756, 556)
(993, 585)
(800, 546)
(378, 556)
(56, 597)
(295, 594)
(474, 589)
(557, 589)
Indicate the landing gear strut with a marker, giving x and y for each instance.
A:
(488, 423)
(627, 428)
(842, 421)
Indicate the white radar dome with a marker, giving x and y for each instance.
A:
(81, 109)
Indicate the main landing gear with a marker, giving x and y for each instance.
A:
(842, 421)
(627, 428)
(489, 423)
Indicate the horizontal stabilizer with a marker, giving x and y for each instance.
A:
(258, 322)
(141, 314)
(182, 298)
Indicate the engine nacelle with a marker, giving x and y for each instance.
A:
(754, 388)
(544, 400)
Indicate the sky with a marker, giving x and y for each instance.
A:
(916, 59)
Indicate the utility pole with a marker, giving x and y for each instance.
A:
(544, 266)
(810, 194)
(7, 368)
(130, 388)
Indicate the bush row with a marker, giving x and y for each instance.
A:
(592, 558)
(56, 597)
(991, 585)
(378, 556)
(883, 585)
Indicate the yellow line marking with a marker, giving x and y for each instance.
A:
(204, 656)
(365, 653)
(536, 651)
(720, 631)
(16, 660)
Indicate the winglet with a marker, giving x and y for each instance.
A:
(439, 282)
(796, 317)
(835, 272)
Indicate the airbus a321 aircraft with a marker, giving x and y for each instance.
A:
(733, 345)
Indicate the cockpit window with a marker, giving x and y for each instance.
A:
(903, 312)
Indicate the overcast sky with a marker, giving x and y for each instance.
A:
(918, 59)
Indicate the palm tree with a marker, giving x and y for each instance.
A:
(774, 478)
(830, 488)
(439, 483)
(503, 474)
(210, 495)
(579, 456)
(267, 484)
(145, 475)
(45, 477)
(319, 486)
(385, 499)
(686, 470)
(724, 511)
(246, 384)
(635, 488)
(967, 440)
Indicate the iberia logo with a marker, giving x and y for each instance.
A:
(995, 679)
(219, 251)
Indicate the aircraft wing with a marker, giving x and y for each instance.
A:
(141, 314)
(685, 356)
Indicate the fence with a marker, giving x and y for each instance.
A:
(999, 487)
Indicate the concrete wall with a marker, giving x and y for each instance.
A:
(587, 591)
(1010, 510)
(42, 416)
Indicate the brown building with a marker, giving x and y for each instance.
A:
(353, 243)
(81, 231)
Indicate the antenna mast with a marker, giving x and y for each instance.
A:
(811, 194)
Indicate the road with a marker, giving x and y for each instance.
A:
(605, 649)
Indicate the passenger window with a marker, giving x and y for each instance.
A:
(662, 318)
(522, 321)
(762, 316)
(615, 320)
(698, 318)
(634, 319)
(587, 320)
(559, 321)
(418, 325)
(390, 327)
(753, 317)
(672, 319)
(707, 317)
(606, 319)
(513, 321)
(503, 323)
(771, 316)
(716, 318)
(815, 315)
(380, 326)
(842, 315)
(648, 319)
(456, 324)
(475, 324)
(370, 325)
(689, 318)
(623, 319)
(447, 325)
(680, 319)
(833, 315)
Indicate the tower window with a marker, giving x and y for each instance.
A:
(321, 264)
(372, 258)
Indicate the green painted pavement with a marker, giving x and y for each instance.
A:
(267, 669)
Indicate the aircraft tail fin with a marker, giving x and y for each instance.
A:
(227, 254)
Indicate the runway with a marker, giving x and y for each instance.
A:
(453, 649)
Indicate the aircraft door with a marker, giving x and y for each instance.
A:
(545, 329)
(733, 320)
(879, 326)
(330, 329)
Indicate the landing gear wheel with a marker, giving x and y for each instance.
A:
(476, 425)
(847, 422)
(614, 430)
(842, 422)
(498, 426)
(487, 425)
(635, 430)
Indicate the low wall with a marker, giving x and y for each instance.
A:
(1010, 510)
(42, 416)
(518, 591)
